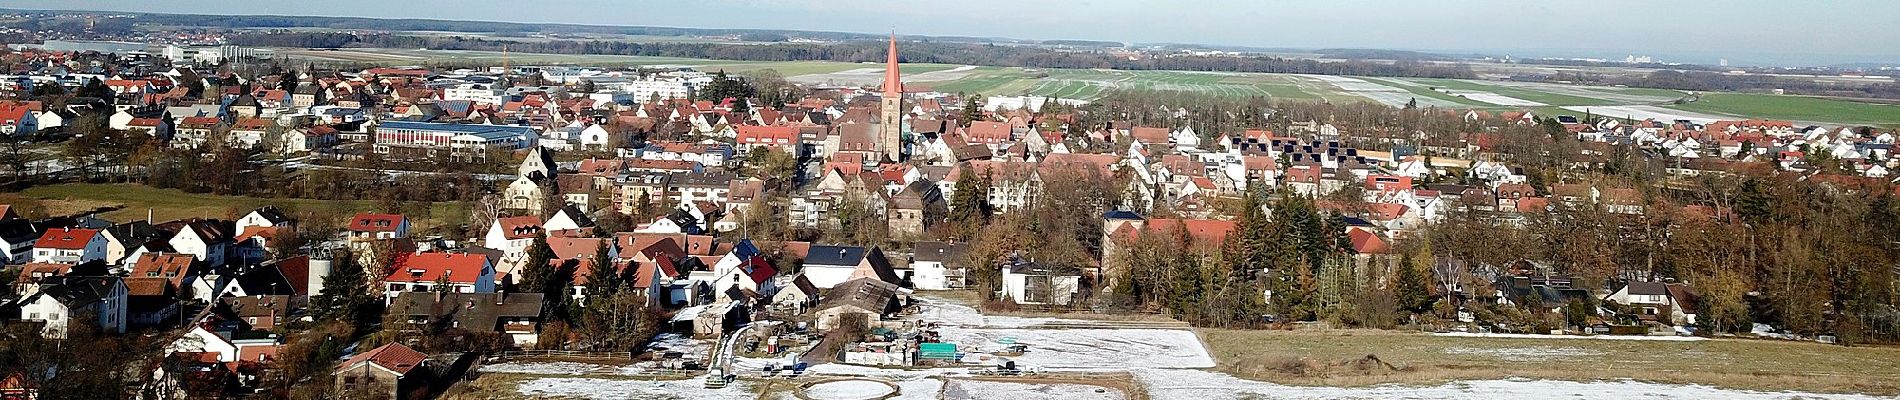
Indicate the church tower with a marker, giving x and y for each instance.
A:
(891, 125)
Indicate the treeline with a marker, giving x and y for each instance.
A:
(867, 51)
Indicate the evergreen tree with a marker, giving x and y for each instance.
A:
(970, 204)
(538, 275)
(972, 110)
(345, 295)
(1414, 289)
(603, 278)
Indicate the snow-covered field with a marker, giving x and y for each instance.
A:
(1649, 112)
(1167, 362)
(1090, 349)
(849, 389)
(1492, 98)
(1608, 94)
(972, 389)
(594, 388)
(550, 368)
(1379, 92)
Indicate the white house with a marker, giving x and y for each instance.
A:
(939, 266)
(1026, 282)
(69, 246)
(425, 272)
(1666, 303)
(512, 235)
(203, 240)
(57, 303)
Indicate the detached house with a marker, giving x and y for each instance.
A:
(69, 246)
(391, 371)
(431, 272)
(516, 316)
(365, 226)
(64, 298)
(829, 266)
(1672, 304)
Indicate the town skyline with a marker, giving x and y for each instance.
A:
(1539, 30)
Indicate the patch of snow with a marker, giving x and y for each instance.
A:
(919, 389)
(1537, 353)
(972, 389)
(1205, 385)
(951, 314)
(591, 388)
(1595, 337)
(1088, 349)
(547, 368)
(1649, 112)
(1492, 98)
(851, 389)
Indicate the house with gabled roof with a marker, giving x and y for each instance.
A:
(390, 371)
(830, 265)
(61, 299)
(369, 226)
(68, 245)
(444, 272)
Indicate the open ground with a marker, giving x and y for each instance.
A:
(1144, 361)
(1085, 84)
(132, 202)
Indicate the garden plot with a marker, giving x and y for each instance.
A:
(975, 389)
(1383, 94)
(1649, 112)
(1205, 385)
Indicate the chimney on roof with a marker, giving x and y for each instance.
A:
(501, 296)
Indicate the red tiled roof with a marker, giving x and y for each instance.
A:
(749, 134)
(1366, 242)
(170, 266)
(393, 356)
(366, 222)
(987, 132)
(520, 227)
(428, 267)
(1204, 231)
(567, 248)
(65, 239)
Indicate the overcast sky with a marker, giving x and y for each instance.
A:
(1789, 30)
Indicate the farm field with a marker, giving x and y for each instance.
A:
(169, 204)
(1290, 357)
(1089, 83)
(1544, 98)
(1796, 108)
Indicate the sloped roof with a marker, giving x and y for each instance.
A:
(394, 357)
(428, 267)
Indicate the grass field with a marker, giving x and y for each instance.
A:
(1090, 83)
(1553, 99)
(1796, 108)
(1322, 358)
(171, 204)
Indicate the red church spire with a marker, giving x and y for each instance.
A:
(893, 82)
